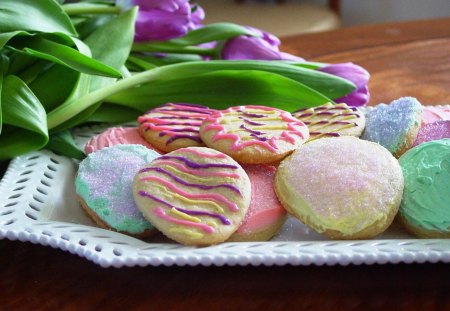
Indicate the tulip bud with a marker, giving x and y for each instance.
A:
(264, 46)
(163, 19)
(356, 74)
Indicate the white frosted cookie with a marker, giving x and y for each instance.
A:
(254, 134)
(195, 196)
(173, 126)
(332, 120)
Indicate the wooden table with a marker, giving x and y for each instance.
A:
(410, 58)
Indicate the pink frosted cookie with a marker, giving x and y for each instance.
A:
(435, 113)
(174, 126)
(116, 136)
(433, 131)
(195, 196)
(266, 215)
(342, 187)
(332, 120)
(254, 134)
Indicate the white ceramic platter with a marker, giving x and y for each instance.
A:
(38, 204)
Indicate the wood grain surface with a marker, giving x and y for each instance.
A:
(410, 58)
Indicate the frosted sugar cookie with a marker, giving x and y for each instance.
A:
(343, 187)
(116, 136)
(104, 185)
(394, 126)
(254, 134)
(331, 120)
(425, 208)
(265, 215)
(432, 114)
(433, 131)
(195, 195)
(173, 126)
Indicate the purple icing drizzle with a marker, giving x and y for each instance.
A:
(222, 218)
(252, 115)
(175, 137)
(181, 181)
(196, 165)
(250, 122)
(250, 130)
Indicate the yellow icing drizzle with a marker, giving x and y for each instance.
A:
(190, 201)
(175, 212)
(197, 178)
(191, 234)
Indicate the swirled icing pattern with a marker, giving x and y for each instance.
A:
(426, 198)
(435, 113)
(331, 120)
(191, 208)
(174, 123)
(256, 130)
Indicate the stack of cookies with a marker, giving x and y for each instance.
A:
(203, 176)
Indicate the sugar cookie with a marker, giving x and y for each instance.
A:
(342, 187)
(254, 134)
(104, 185)
(265, 215)
(394, 126)
(173, 126)
(332, 120)
(195, 195)
(117, 136)
(425, 208)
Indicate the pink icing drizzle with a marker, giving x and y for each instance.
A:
(209, 197)
(162, 214)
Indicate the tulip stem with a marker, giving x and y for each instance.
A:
(89, 8)
(162, 48)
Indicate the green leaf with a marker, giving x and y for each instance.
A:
(63, 143)
(34, 15)
(24, 120)
(208, 33)
(62, 80)
(113, 53)
(20, 62)
(168, 59)
(191, 76)
(80, 118)
(4, 62)
(241, 87)
(329, 85)
(63, 55)
(114, 114)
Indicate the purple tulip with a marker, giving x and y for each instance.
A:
(163, 19)
(263, 47)
(358, 75)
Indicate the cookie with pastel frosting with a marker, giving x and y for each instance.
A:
(394, 126)
(104, 185)
(332, 120)
(174, 125)
(253, 134)
(195, 195)
(342, 187)
(117, 136)
(265, 215)
(425, 208)
(433, 114)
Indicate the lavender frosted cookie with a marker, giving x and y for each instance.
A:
(394, 126)
(104, 185)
